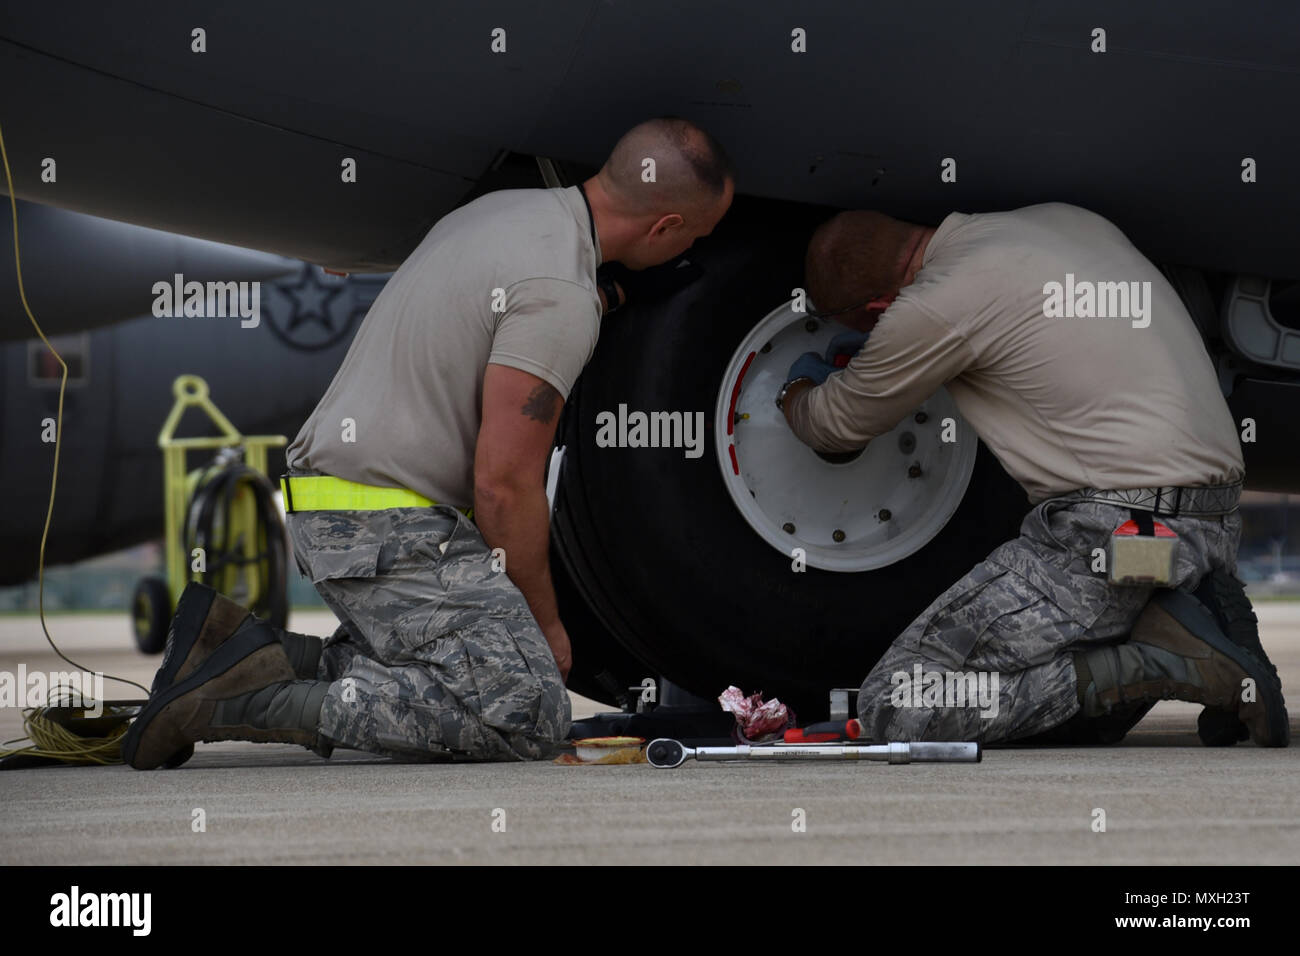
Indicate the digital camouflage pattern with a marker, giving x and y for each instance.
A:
(438, 654)
(1021, 613)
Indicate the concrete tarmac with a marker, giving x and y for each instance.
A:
(1166, 799)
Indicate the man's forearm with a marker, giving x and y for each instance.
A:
(797, 408)
(794, 407)
(518, 521)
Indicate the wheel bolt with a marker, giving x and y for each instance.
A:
(914, 471)
(884, 514)
(907, 443)
(788, 528)
(810, 325)
(837, 534)
(922, 418)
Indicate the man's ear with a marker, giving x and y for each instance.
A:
(670, 221)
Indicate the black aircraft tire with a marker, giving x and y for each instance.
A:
(653, 543)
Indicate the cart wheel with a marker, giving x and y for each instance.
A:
(151, 614)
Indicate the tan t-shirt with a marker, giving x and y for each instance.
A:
(1065, 401)
(412, 381)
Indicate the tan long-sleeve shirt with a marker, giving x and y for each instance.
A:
(1093, 384)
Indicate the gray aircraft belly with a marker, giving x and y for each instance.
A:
(243, 143)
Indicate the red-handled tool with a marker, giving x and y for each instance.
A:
(824, 732)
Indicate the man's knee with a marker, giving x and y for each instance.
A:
(550, 717)
(534, 732)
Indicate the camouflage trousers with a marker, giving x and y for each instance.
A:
(1014, 621)
(437, 653)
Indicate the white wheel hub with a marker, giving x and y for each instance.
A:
(878, 507)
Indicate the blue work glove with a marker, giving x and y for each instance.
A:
(844, 346)
(810, 365)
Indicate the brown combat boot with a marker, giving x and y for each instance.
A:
(245, 690)
(204, 619)
(1225, 597)
(1177, 651)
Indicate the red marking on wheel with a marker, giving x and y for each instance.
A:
(735, 394)
(735, 466)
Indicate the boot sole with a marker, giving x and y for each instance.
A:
(188, 620)
(195, 621)
(1227, 601)
(237, 647)
(1197, 619)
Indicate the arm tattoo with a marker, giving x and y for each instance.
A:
(542, 403)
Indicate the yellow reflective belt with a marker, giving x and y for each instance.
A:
(327, 493)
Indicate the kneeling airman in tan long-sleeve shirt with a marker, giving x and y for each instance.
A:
(1072, 357)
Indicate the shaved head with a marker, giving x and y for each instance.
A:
(855, 257)
(691, 169)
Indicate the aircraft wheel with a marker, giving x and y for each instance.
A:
(687, 555)
(151, 614)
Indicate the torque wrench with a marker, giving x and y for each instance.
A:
(666, 753)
